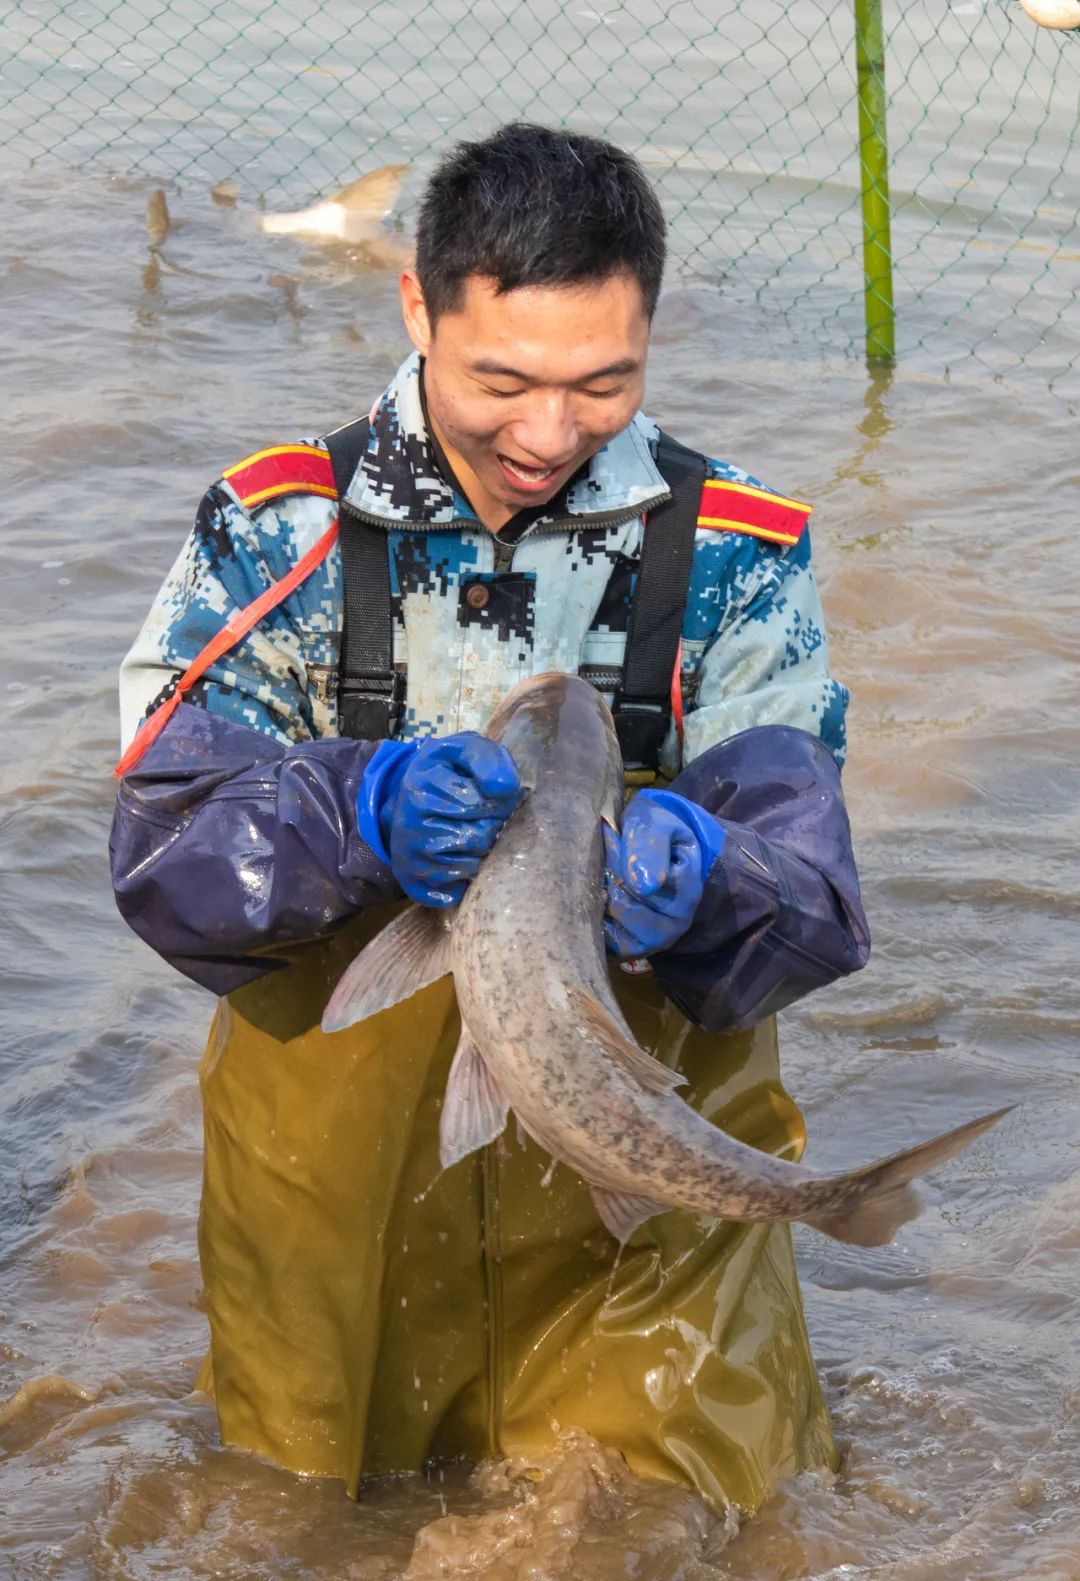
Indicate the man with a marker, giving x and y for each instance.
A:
(368, 1311)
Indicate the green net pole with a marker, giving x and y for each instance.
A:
(874, 163)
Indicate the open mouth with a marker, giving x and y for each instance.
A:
(526, 477)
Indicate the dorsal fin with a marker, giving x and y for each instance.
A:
(602, 1025)
(374, 193)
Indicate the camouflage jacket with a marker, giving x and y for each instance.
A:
(262, 720)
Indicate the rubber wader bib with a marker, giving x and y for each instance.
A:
(368, 1310)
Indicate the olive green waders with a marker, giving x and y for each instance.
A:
(369, 1310)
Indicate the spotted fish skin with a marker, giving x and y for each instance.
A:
(542, 1033)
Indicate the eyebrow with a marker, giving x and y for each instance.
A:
(624, 366)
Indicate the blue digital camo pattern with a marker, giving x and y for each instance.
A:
(754, 649)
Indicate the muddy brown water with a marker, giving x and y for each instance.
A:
(947, 543)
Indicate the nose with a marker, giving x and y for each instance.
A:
(546, 431)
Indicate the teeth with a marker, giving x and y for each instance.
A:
(531, 474)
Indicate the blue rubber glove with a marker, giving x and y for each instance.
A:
(655, 871)
(433, 809)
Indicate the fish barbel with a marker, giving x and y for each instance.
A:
(542, 1033)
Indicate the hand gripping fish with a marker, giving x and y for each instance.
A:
(542, 1033)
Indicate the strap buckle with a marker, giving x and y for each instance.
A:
(372, 706)
(641, 725)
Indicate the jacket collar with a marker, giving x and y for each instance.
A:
(398, 481)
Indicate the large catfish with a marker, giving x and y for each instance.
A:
(542, 1033)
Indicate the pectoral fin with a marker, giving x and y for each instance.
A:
(611, 811)
(599, 1021)
(474, 1111)
(409, 953)
(621, 1213)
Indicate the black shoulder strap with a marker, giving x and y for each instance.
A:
(370, 691)
(642, 705)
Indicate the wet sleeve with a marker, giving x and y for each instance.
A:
(234, 837)
(227, 845)
(781, 913)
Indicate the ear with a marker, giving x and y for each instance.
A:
(414, 311)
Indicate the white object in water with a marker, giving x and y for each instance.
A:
(1062, 14)
(351, 215)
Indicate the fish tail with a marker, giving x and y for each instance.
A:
(878, 1199)
(876, 1219)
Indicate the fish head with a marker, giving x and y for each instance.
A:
(558, 729)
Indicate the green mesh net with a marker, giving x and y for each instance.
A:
(744, 113)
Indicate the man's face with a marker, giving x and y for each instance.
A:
(523, 388)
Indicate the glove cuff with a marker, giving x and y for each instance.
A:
(709, 834)
(379, 786)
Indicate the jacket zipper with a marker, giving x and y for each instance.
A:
(504, 556)
(613, 518)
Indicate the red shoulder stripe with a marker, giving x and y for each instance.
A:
(283, 469)
(739, 507)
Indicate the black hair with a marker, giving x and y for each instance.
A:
(532, 206)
